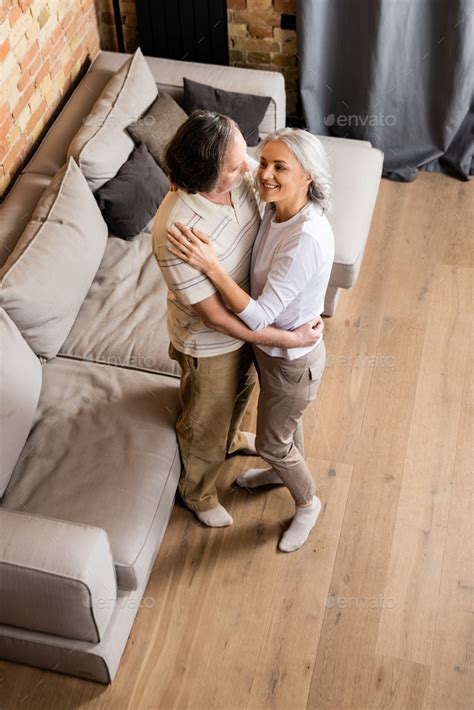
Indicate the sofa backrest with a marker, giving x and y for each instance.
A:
(168, 74)
(51, 155)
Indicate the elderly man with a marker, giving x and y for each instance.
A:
(208, 165)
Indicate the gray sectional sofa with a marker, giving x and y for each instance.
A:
(89, 397)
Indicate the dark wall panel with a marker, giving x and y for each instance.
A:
(191, 30)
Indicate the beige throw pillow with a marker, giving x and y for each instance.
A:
(47, 276)
(101, 146)
(20, 385)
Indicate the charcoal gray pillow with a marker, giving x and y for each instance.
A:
(158, 126)
(247, 110)
(131, 198)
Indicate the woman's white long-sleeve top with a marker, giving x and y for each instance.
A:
(289, 273)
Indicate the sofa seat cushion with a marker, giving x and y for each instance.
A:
(20, 385)
(49, 272)
(103, 453)
(356, 169)
(101, 146)
(123, 318)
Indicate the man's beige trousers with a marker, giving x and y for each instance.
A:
(214, 393)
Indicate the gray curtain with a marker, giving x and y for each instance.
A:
(399, 73)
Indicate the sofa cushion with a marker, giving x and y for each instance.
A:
(123, 318)
(101, 146)
(247, 110)
(20, 385)
(103, 453)
(169, 74)
(131, 198)
(46, 278)
(158, 126)
(356, 169)
(55, 577)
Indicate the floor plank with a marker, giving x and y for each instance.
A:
(341, 679)
(407, 630)
(452, 671)
(398, 684)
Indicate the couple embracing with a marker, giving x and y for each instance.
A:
(245, 289)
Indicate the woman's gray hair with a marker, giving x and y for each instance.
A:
(309, 152)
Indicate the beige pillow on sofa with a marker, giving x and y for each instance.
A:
(101, 146)
(47, 276)
(20, 385)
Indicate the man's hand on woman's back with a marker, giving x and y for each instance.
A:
(308, 334)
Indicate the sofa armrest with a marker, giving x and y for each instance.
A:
(169, 75)
(55, 577)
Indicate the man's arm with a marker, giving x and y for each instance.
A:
(216, 316)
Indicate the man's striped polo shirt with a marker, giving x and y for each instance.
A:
(233, 231)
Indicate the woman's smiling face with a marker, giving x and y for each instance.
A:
(280, 176)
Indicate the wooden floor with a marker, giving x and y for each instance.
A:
(376, 611)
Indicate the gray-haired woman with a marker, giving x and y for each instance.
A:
(291, 264)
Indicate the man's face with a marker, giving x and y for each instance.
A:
(235, 165)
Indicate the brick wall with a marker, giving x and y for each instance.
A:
(255, 37)
(257, 41)
(108, 37)
(43, 46)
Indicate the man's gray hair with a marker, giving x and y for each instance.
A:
(196, 154)
(309, 152)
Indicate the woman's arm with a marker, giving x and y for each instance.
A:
(195, 248)
(215, 315)
(294, 265)
(292, 268)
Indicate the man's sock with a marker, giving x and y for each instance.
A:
(217, 517)
(301, 525)
(254, 477)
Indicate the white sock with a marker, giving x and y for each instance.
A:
(301, 525)
(215, 517)
(254, 477)
(249, 449)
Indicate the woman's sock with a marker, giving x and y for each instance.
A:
(217, 517)
(301, 525)
(254, 477)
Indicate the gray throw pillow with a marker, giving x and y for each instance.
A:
(157, 127)
(247, 110)
(131, 198)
